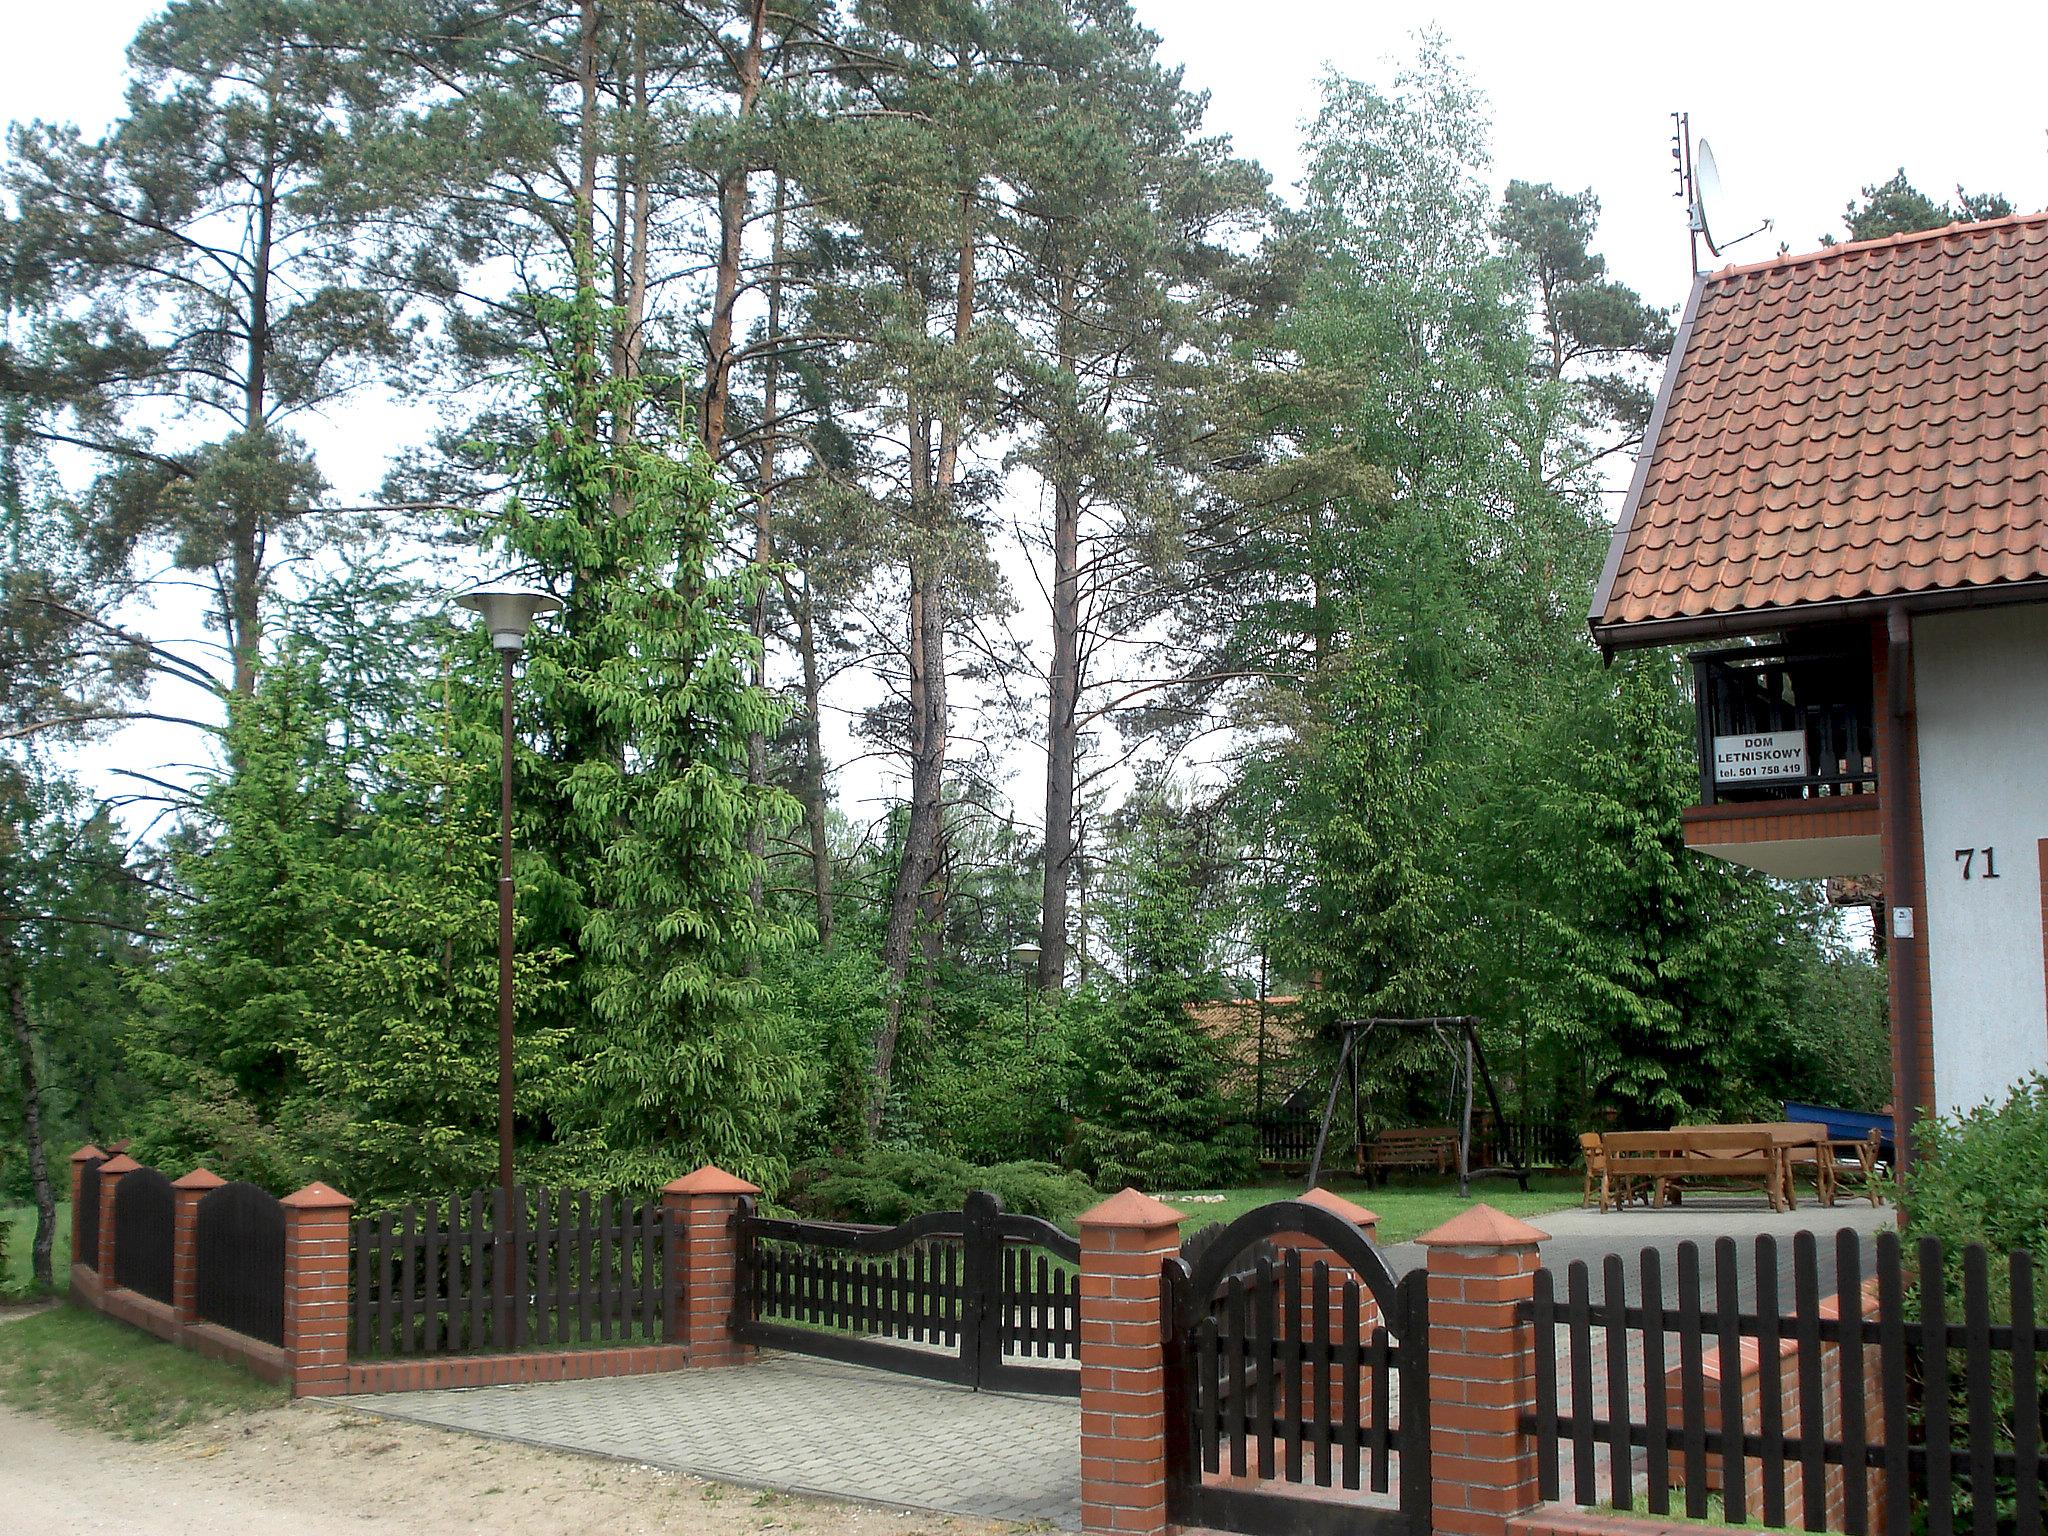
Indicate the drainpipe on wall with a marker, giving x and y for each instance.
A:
(1902, 879)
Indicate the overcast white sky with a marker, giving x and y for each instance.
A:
(1804, 104)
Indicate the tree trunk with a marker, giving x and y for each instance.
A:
(814, 762)
(1063, 690)
(764, 527)
(931, 499)
(1062, 738)
(31, 1117)
(732, 230)
(245, 577)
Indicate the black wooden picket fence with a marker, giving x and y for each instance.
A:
(1886, 1416)
(976, 1296)
(474, 1272)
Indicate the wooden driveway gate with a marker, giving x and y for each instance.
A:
(976, 1296)
(1283, 1381)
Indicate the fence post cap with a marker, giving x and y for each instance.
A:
(86, 1153)
(199, 1178)
(1337, 1205)
(1130, 1208)
(1481, 1226)
(710, 1180)
(317, 1197)
(119, 1165)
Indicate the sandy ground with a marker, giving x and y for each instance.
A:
(312, 1470)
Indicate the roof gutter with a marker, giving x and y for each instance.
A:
(1761, 621)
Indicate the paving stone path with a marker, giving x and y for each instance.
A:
(799, 1425)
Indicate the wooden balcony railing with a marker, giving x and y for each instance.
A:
(1784, 723)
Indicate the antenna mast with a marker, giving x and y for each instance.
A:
(1688, 184)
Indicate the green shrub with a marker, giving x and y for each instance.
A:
(892, 1184)
(1983, 1177)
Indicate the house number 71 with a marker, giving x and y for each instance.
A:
(1965, 856)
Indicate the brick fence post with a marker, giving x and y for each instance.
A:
(187, 1193)
(1482, 1371)
(316, 1289)
(79, 1159)
(1124, 1242)
(704, 1252)
(111, 1172)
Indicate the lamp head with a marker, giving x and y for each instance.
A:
(509, 611)
(1026, 953)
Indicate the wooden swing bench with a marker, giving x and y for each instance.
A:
(1424, 1146)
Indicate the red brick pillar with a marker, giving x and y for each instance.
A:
(705, 1254)
(79, 1159)
(316, 1289)
(1482, 1371)
(188, 1192)
(111, 1172)
(1124, 1242)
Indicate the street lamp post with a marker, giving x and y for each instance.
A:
(508, 612)
(1025, 956)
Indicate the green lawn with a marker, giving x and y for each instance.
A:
(80, 1368)
(16, 1276)
(1407, 1208)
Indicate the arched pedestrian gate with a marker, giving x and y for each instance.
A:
(1297, 1385)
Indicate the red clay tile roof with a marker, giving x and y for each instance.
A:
(1868, 422)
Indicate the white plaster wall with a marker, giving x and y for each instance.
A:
(1981, 692)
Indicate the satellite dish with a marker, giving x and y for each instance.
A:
(1710, 206)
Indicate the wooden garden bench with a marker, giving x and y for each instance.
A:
(1717, 1152)
(1434, 1146)
(1806, 1145)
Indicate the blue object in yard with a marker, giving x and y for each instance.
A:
(1846, 1124)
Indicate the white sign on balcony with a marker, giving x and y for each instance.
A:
(1764, 758)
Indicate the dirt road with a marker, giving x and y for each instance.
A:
(310, 1470)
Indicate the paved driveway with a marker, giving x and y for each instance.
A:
(800, 1425)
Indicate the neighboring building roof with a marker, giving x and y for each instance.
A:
(1861, 425)
(1234, 1024)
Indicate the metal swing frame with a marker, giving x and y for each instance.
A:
(1460, 1036)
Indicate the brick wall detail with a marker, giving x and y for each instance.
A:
(1835, 1497)
(1125, 1241)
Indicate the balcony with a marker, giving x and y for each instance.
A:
(1788, 758)
(1777, 723)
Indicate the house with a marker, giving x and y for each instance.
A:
(1841, 509)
